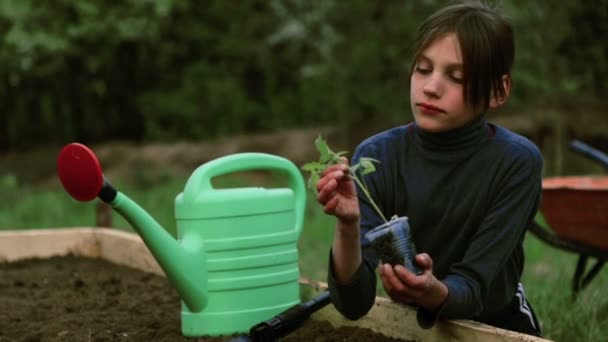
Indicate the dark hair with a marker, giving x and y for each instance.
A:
(487, 45)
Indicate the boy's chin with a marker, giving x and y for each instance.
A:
(432, 125)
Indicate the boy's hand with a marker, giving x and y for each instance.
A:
(424, 290)
(337, 193)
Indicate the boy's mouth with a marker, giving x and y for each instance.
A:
(428, 108)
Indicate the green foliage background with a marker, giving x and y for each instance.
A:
(146, 70)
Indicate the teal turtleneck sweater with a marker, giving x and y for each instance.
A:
(469, 195)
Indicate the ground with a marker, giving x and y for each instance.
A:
(82, 299)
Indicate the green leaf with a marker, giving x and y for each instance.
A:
(367, 171)
(341, 153)
(312, 181)
(328, 158)
(335, 157)
(323, 149)
(370, 159)
(312, 166)
(368, 166)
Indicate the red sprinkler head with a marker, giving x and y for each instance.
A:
(80, 172)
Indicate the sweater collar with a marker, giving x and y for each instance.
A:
(462, 138)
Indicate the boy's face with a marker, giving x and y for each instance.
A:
(436, 90)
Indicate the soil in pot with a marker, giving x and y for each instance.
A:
(393, 244)
(85, 299)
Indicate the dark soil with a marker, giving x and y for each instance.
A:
(84, 299)
(395, 251)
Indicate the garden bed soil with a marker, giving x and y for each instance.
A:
(85, 296)
(75, 298)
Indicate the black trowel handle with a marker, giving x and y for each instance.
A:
(288, 320)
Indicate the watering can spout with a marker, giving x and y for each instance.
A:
(184, 264)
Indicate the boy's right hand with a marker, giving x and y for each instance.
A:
(337, 193)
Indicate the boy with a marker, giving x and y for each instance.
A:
(468, 187)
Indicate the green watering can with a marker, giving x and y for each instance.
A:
(235, 262)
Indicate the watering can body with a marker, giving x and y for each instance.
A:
(250, 240)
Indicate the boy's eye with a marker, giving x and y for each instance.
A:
(423, 70)
(455, 78)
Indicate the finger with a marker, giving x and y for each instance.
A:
(397, 291)
(385, 283)
(333, 168)
(323, 182)
(414, 285)
(404, 275)
(328, 177)
(424, 261)
(330, 206)
(325, 193)
(391, 279)
(335, 176)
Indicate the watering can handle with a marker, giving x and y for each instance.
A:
(201, 178)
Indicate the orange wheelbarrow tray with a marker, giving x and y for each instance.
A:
(575, 211)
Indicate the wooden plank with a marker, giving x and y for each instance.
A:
(126, 249)
(399, 321)
(44, 243)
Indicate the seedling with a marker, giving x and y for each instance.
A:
(391, 240)
(327, 157)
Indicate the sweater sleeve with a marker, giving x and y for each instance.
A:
(355, 299)
(514, 203)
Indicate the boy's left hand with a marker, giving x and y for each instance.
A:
(403, 286)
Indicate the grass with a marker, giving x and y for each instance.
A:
(547, 277)
(548, 283)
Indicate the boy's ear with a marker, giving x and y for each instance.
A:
(498, 100)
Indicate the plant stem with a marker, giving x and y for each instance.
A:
(356, 179)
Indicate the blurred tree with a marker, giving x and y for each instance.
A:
(70, 68)
(92, 70)
(540, 73)
(585, 47)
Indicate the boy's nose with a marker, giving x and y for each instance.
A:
(432, 87)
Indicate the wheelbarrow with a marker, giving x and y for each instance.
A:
(575, 214)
